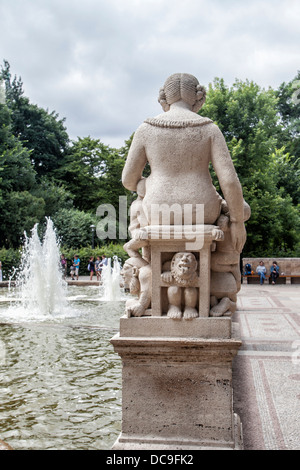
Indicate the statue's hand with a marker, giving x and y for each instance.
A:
(167, 277)
(217, 234)
(238, 235)
(135, 310)
(140, 234)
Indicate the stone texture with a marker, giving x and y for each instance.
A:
(177, 392)
(180, 145)
(164, 327)
(183, 269)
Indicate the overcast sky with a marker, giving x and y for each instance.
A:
(100, 63)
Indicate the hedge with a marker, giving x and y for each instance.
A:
(11, 258)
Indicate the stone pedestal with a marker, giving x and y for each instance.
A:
(177, 383)
(177, 371)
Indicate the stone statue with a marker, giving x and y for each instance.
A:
(183, 268)
(182, 276)
(137, 275)
(179, 146)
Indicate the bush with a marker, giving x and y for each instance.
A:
(10, 259)
(85, 253)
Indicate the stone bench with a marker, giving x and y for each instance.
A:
(282, 279)
(289, 269)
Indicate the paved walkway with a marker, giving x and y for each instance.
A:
(266, 372)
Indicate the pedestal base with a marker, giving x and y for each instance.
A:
(126, 442)
(177, 392)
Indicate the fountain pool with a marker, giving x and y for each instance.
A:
(60, 378)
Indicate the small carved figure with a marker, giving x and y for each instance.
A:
(182, 293)
(137, 275)
(226, 259)
(137, 222)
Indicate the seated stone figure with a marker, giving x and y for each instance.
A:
(182, 293)
(226, 259)
(179, 146)
(137, 222)
(137, 275)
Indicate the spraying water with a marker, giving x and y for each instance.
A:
(42, 288)
(111, 277)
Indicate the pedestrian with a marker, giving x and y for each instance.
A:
(103, 263)
(91, 267)
(274, 272)
(1, 272)
(76, 265)
(64, 265)
(72, 272)
(98, 268)
(261, 271)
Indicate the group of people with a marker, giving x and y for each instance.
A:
(94, 267)
(262, 271)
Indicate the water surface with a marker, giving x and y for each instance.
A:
(60, 377)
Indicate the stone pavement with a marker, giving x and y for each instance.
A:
(266, 371)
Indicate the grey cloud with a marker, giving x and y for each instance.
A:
(100, 63)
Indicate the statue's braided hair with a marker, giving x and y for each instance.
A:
(182, 86)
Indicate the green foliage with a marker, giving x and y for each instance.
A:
(10, 259)
(74, 227)
(42, 133)
(249, 118)
(288, 108)
(20, 212)
(84, 254)
(55, 196)
(92, 173)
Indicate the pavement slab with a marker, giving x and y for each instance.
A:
(266, 371)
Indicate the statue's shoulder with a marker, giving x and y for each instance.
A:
(165, 122)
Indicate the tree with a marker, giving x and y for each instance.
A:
(74, 227)
(92, 173)
(42, 132)
(288, 95)
(249, 119)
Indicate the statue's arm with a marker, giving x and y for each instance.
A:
(230, 185)
(136, 161)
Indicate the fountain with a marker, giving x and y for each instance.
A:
(58, 368)
(111, 279)
(40, 283)
(57, 365)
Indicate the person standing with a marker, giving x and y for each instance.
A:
(76, 265)
(63, 263)
(102, 264)
(261, 271)
(1, 271)
(91, 267)
(98, 268)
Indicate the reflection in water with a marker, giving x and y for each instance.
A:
(60, 381)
